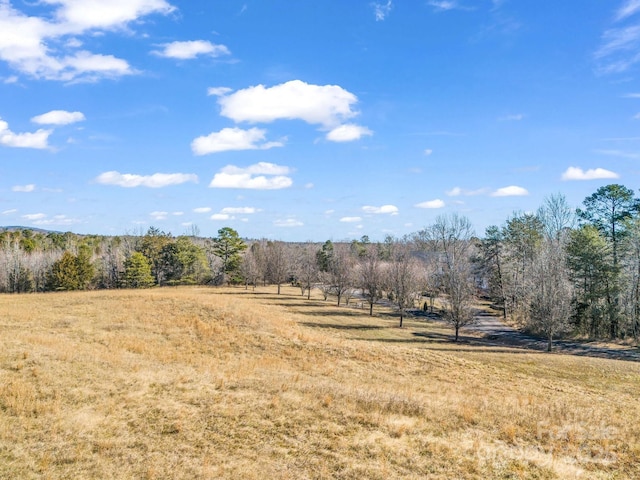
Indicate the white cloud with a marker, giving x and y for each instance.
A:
(351, 219)
(191, 49)
(288, 222)
(56, 220)
(381, 10)
(510, 191)
(630, 7)
(82, 15)
(48, 47)
(619, 153)
(232, 139)
(159, 215)
(220, 216)
(631, 95)
(384, 209)
(58, 117)
(240, 210)
(202, 210)
(261, 176)
(34, 216)
(157, 180)
(437, 203)
(457, 191)
(576, 173)
(516, 117)
(23, 188)
(37, 139)
(218, 91)
(326, 105)
(445, 5)
(619, 50)
(9, 212)
(427, 152)
(348, 133)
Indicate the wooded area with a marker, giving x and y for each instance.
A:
(557, 271)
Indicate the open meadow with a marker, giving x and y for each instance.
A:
(232, 383)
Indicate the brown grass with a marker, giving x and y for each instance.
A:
(215, 383)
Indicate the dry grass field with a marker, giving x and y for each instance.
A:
(226, 383)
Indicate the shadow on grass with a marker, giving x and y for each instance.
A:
(333, 313)
(342, 327)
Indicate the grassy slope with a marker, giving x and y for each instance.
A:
(209, 383)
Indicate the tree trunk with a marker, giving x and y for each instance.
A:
(401, 318)
(278, 289)
(457, 331)
(371, 309)
(550, 342)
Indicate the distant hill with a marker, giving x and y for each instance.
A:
(15, 228)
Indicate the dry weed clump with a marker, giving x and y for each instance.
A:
(227, 383)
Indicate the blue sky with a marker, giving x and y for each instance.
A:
(310, 120)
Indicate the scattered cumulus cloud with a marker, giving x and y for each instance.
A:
(576, 173)
(427, 152)
(348, 133)
(202, 210)
(50, 48)
(240, 210)
(34, 216)
(232, 139)
(326, 105)
(384, 209)
(220, 216)
(511, 191)
(218, 91)
(288, 222)
(159, 215)
(58, 117)
(437, 203)
(261, 176)
(382, 10)
(351, 219)
(191, 49)
(157, 180)
(457, 192)
(43, 220)
(10, 211)
(38, 139)
(23, 188)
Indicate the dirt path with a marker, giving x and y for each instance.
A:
(493, 332)
(497, 333)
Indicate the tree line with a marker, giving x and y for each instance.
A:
(554, 271)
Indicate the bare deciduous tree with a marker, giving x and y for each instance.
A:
(278, 263)
(370, 275)
(550, 309)
(306, 268)
(404, 277)
(452, 236)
